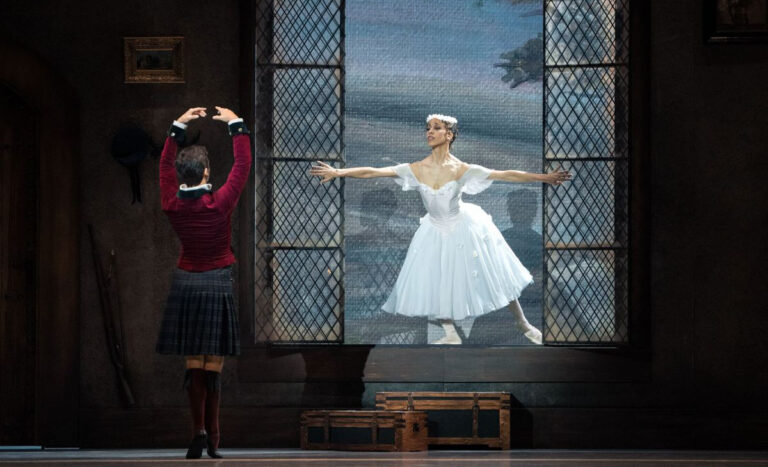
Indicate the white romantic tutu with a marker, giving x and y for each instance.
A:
(458, 264)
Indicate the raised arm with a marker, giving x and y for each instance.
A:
(228, 195)
(556, 177)
(169, 184)
(328, 173)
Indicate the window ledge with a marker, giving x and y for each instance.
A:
(338, 363)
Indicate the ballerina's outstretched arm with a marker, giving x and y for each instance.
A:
(328, 173)
(556, 177)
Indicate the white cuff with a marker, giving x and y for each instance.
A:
(204, 186)
(235, 120)
(183, 126)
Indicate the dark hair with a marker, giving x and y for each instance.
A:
(453, 128)
(191, 164)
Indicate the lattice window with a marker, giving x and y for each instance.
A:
(586, 131)
(298, 260)
(299, 292)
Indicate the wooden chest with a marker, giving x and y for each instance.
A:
(364, 430)
(457, 418)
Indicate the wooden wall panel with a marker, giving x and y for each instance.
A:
(444, 364)
(57, 256)
(18, 218)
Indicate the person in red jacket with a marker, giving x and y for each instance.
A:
(200, 319)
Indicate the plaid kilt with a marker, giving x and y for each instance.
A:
(200, 315)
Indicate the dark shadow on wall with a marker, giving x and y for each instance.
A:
(334, 379)
(520, 425)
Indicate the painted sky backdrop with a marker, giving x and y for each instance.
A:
(404, 58)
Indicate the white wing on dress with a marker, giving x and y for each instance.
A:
(405, 177)
(475, 179)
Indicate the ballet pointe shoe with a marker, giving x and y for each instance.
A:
(448, 340)
(451, 336)
(533, 335)
(529, 331)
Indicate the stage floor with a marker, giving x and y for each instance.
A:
(295, 457)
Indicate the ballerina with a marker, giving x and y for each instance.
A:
(458, 264)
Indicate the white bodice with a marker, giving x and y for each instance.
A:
(443, 205)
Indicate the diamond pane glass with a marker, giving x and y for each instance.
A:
(586, 131)
(306, 213)
(590, 210)
(298, 261)
(586, 112)
(580, 32)
(307, 120)
(586, 296)
(306, 296)
(307, 32)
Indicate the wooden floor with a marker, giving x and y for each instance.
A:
(295, 457)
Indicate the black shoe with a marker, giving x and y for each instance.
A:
(214, 454)
(212, 441)
(199, 442)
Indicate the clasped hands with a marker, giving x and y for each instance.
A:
(224, 115)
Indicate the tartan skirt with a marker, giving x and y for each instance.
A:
(200, 315)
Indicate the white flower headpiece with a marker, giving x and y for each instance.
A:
(443, 118)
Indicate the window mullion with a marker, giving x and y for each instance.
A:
(586, 131)
(299, 227)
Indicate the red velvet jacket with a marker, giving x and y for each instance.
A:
(203, 223)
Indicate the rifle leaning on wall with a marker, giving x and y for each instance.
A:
(112, 328)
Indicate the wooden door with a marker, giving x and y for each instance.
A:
(18, 216)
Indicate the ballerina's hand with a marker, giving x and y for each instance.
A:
(323, 170)
(557, 177)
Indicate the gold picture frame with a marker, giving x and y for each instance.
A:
(154, 59)
(734, 21)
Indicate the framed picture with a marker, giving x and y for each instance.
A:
(735, 21)
(154, 59)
